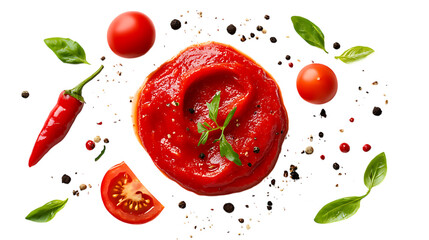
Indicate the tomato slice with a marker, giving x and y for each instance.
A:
(125, 197)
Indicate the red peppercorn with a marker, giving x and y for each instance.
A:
(90, 145)
(290, 64)
(322, 157)
(352, 120)
(344, 147)
(366, 147)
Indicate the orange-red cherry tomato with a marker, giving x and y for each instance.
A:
(317, 83)
(125, 197)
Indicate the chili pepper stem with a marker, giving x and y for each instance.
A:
(76, 92)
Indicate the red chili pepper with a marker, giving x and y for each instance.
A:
(60, 119)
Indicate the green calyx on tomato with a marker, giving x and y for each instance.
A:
(317, 83)
(131, 34)
(125, 197)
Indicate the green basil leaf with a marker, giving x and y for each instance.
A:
(227, 151)
(213, 107)
(338, 210)
(101, 154)
(67, 50)
(309, 32)
(46, 212)
(376, 171)
(203, 138)
(201, 128)
(354, 54)
(229, 117)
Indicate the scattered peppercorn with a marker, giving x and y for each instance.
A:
(287, 57)
(351, 119)
(322, 157)
(175, 24)
(191, 110)
(228, 207)
(344, 147)
(267, 17)
(82, 187)
(376, 111)
(273, 182)
(285, 173)
(294, 175)
(25, 94)
(336, 45)
(309, 150)
(241, 220)
(65, 179)
(273, 39)
(259, 28)
(366, 147)
(252, 35)
(182, 204)
(291, 64)
(321, 134)
(97, 139)
(106, 140)
(256, 150)
(90, 145)
(243, 38)
(323, 113)
(279, 62)
(103, 58)
(231, 29)
(336, 166)
(202, 155)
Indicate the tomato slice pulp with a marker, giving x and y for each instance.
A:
(125, 197)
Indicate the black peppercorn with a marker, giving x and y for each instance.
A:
(273, 39)
(202, 155)
(25, 94)
(287, 57)
(175, 24)
(323, 113)
(321, 134)
(336, 166)
(191, 110)
(267, 17)
(336, 45)
(66, 179)
(182, 204)
(231, 29)
(376, 111)
(294, 175)
(256, 150)
(228, 207)
(259, 28)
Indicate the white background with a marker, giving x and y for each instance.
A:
(396, 30)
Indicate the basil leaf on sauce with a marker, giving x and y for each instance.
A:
(355, 54)
(46, 212)
(213, 107)
(338, 210)
(309, 31)
(67, 50)
(227, 151)
(376, 171)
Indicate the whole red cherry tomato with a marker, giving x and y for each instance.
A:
(131, 34)
(125, 197)
(317, 83)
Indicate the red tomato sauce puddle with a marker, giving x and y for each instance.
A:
(168, 106)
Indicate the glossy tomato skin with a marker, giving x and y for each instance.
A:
(317, 83)
(125, 197)
(131, 34)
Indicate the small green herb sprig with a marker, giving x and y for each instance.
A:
(204, 128)
(344, 208)
(314, 36)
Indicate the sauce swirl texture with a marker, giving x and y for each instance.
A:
(168, 106)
